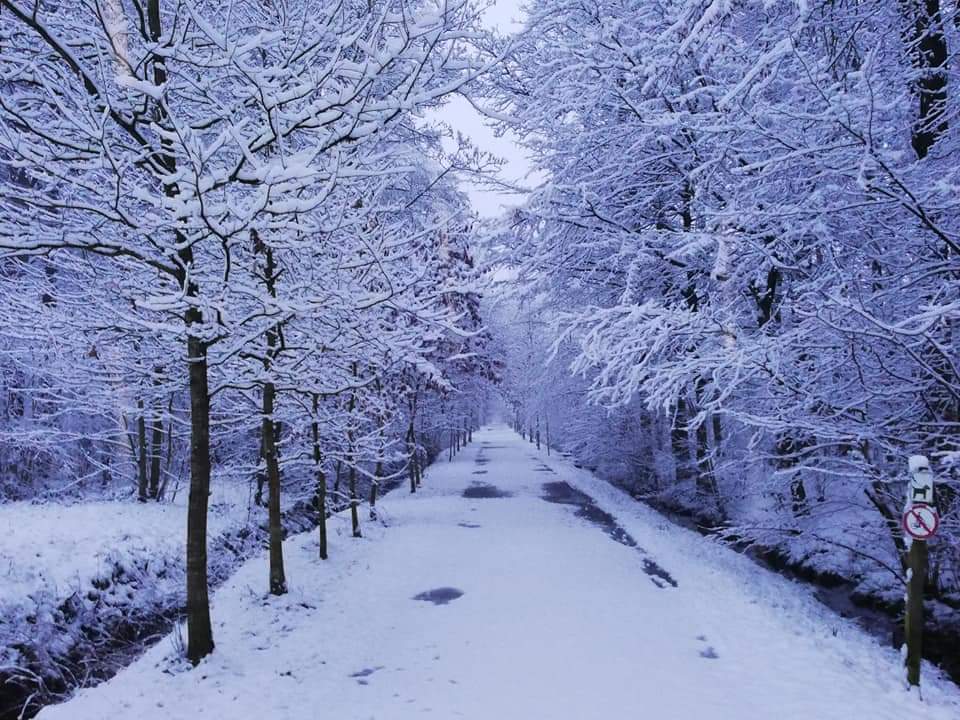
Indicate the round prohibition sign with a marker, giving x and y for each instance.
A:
(921, 522)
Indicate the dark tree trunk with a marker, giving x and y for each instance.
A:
(199, 630)
(261, 480)
(679, 443)
(278, 580)
(270, 428)
(927, 42)
(321, 491)
(706, 473)
(352, 465)
(374, 488)
(419, 457)
(156, 449)
(142, 487)
(411, 457)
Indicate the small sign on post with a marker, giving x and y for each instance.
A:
(920, 523)
(921, 481)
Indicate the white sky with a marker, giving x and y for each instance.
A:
(504, 16)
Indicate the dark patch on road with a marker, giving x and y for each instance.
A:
(709, 653)
(480, 472)
(468, 525)
(481, 461)
(544, 468)
(563, 493)
(484, 491)
(655, 571)
(439, 596)
(361, 675)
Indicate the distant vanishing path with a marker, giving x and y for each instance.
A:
(517, 587)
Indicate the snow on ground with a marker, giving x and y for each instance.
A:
(556, 620)
(60, 548)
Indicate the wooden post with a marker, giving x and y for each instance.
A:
(913, 619)
(920, 498)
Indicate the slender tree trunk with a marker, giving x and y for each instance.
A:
(261, 479)
(927, 41)
(199, 629)
(142, 456)
(411, 457)
(321, 491)
(156, 440)
(354, 501)
(706, 480)
(156, 449)
(679, 443)
(374, 488)
(419, 459)
(352, 464)
(162, 490)
(278, 580)
(269, 432)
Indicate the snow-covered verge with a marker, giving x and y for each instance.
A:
(86, 585)
(545, 616)
(855, 582)
(725, 562)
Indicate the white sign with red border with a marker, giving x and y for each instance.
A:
(921, 521)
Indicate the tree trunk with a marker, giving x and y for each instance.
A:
(352, 463)
(411, 450)
(321, 491)
(374, 488)
(927, 41)
(199, 630)
(706, 482)
(679, 443)
(156, 449)
(278, 580)
(418, 460)
(270, 428)
(142, 456)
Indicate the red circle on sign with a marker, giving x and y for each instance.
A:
(924, 516)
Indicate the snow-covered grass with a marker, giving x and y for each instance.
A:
(556, 620)
(58, 549)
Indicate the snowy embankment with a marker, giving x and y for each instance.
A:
(503, 591)
(85, 585)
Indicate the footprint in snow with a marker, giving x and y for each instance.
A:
(707, 652)
(361, 675)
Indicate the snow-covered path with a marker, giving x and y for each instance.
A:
(559, 617)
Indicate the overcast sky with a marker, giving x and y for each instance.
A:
(504, 16)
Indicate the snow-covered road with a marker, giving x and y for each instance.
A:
(570, 608)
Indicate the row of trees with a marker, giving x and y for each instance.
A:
(747, 252)
(229, 244)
